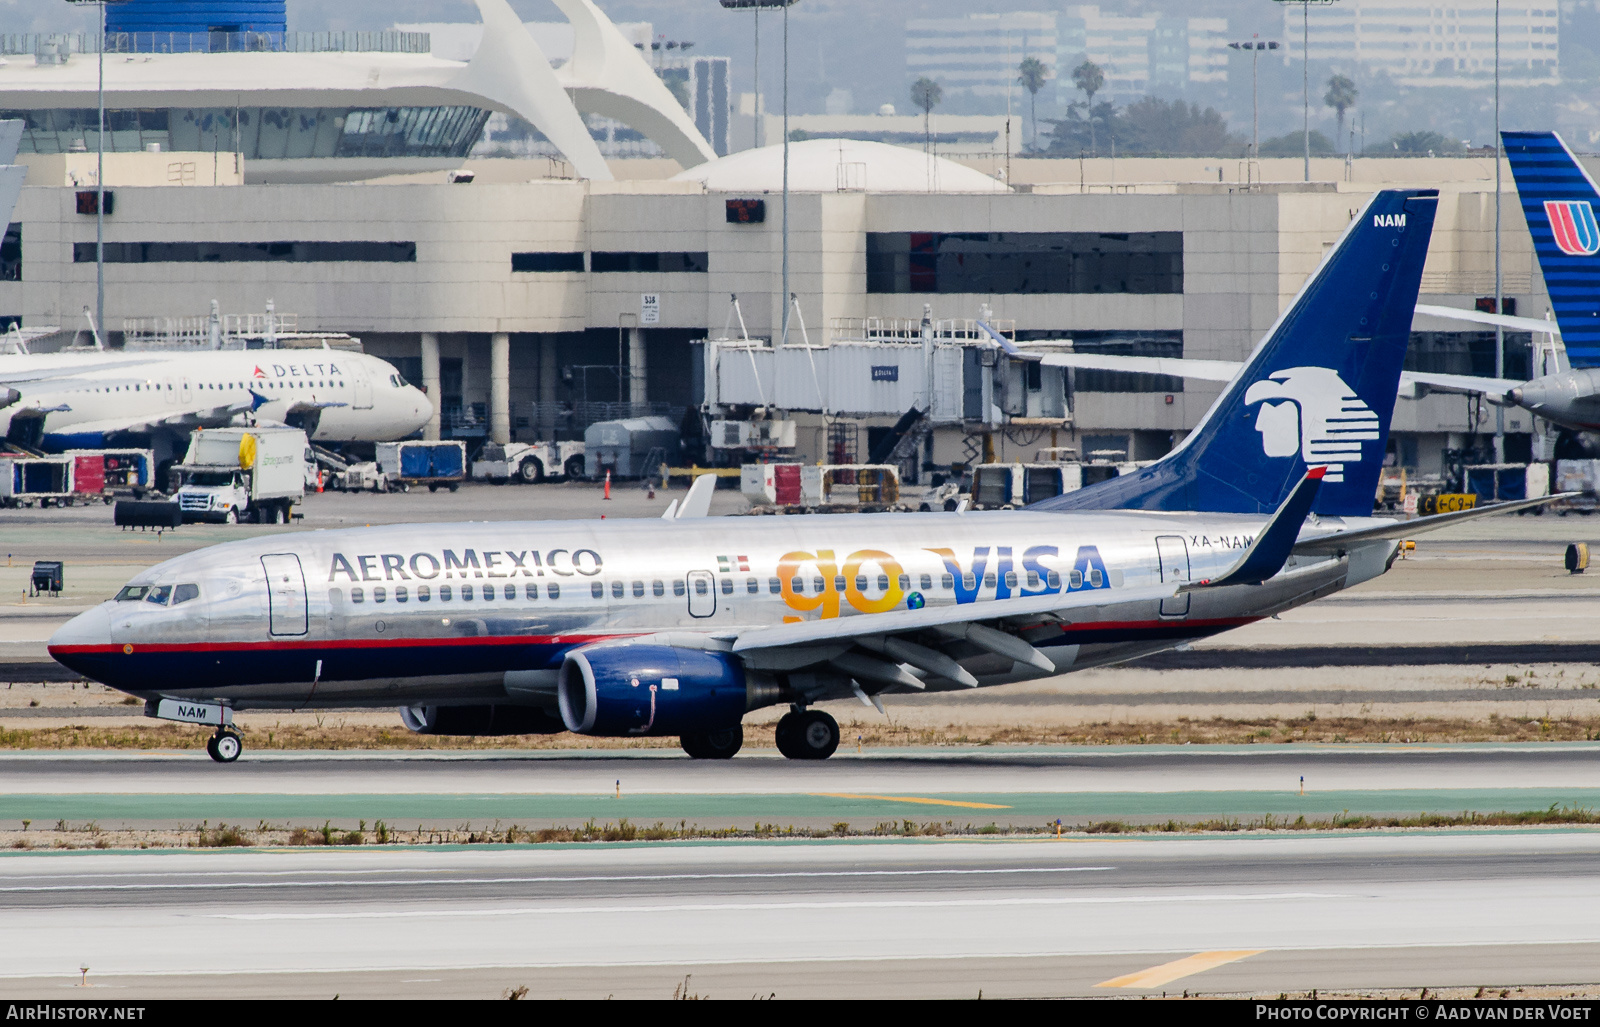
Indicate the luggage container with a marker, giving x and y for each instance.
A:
(46, 480)
(434, 464)
(624, 447)
(103, 473)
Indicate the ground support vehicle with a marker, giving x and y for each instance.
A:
(234, 474)
(26, 480)
(104, 474)
(528, 462)
(821, 488)
(438, 464)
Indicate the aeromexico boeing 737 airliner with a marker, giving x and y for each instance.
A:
(680, 626)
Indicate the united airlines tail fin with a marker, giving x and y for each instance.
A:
(1317, 392)
(1559, 201)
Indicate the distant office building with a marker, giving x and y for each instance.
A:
(701, 85)
(1140, 54)
(181, 26)
(1432, 45)
(978, 55)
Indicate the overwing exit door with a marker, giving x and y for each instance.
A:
(702, 593)
(286, 593)
(1174, 555)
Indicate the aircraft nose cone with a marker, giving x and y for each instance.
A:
(1514, 397)
(82, 643)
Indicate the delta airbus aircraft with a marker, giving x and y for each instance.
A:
(680, 627)
(60, 401)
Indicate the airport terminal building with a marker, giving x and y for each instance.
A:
(531, 298)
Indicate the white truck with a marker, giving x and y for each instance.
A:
(234, 474)
(528, 462)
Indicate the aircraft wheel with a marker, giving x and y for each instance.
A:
(574, 468)
(713, 745)
(231, 517)
(225, 746)
(433, 488)
(810, 735)
(531, 472)
(453, 486)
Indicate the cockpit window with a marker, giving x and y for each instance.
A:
(132, 593)
(159, 595)
(184, 593)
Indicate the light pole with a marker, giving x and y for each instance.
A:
(1255, 46)
(99, 178)
(758, 6)
(1499, 281)
(1305, 72)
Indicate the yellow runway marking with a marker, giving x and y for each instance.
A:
(1166, 973)
(910, 798)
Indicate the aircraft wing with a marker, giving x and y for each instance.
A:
(1177, 367)
(1520, 324)
(900, 643)
(1224, 370)
(205, 417)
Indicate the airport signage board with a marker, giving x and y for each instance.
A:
(650, 308)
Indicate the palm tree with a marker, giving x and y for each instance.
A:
(1032, 74)
(926, 94)
(1341, 97)
(1089, 77)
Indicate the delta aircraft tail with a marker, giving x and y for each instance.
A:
(1559, 201)
(1317, 392)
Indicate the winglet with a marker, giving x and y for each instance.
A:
(1270, 550)
(698, 502)
(671, 511)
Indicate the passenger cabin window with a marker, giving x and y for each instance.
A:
(510, 591)
(184, 593)
(727, 586)
(596, 589)
(616, 589)
(159, 595)
(424, 593)
(638, 589)
(677, 588)
(1054, 581)
(883, 583)
(927, 582)
(400, 595)
(358, 594)
(379, 594)
(444, 593)
(1077, 579)
(752, 586)
(553, 590)
(657, 588)
(700, 587)
(775, 586)
(1011, 579)
(466, 593)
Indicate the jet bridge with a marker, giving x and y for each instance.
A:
(961, 371)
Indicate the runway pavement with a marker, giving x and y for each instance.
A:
(1023, 786)
(845, 918)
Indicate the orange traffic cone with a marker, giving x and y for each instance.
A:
(608, 486)
(319, 479)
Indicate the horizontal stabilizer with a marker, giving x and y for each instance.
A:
(1341, 540)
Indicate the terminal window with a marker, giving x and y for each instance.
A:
(1122, 343)
(547, 262)
(664, 263)
(248, 252)
(11, 254)
(1020, 263)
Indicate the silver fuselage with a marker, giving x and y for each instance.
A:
(485, 612)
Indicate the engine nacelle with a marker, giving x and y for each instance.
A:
(644, 689)
(479, 720)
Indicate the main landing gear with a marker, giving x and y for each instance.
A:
(224, 746)
(713, 745)
(807, 734)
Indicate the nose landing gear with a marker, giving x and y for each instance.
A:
(224, 746)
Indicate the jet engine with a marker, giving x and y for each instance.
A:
(479, 720)
(645, 689)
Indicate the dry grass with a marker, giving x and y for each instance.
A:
(875, 733)
(91, 836)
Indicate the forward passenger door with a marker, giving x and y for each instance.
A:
(286, 594)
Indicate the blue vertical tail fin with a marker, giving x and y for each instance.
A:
(1318, 391)
(1559, 201)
